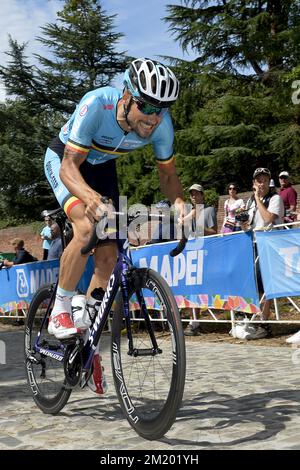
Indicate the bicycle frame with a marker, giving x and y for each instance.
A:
(117, 279)
(93, 334)
(87, 344)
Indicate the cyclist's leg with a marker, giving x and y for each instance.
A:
(104, 260)
(72, 266)
(72, 262)
(103, 179)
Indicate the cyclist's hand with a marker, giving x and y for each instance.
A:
(98, 207)
(95, 208)
(180, 210)
(187, 218)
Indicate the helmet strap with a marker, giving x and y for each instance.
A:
(127, 110)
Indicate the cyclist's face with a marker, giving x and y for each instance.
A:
(142, 124)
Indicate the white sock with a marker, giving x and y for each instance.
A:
(194, 324)
(62, 304)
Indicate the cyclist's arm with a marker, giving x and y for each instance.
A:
(191, 215)
(73, 180)
(170, 185)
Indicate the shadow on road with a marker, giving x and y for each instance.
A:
(227, 412)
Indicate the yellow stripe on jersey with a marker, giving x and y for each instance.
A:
(77, 147)
(111, 152)
(165, 162)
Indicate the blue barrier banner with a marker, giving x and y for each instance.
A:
(19, 283)
(279, 259)
(216, 272)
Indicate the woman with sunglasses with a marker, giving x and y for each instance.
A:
(80, 167)
(231, 207)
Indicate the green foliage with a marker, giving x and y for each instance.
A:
(138, 176)
(23, 138)
(211, 197)
(82, 43)
(239, 105)
(234, 35)
(228, 123)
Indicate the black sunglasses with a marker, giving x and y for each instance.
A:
(232, 187)
(147, 108)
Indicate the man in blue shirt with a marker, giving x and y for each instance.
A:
(80, 167)
(46, 237)
(55, 249)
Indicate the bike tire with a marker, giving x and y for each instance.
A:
(46, 378)
(152, 415)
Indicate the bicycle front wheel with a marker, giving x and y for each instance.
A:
(45, 374)
(149, 384)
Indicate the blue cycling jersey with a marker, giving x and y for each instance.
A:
(93, 130)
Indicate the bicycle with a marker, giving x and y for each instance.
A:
(148, 363)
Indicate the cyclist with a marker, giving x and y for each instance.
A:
(80, 167)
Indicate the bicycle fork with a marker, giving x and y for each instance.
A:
(132, 351)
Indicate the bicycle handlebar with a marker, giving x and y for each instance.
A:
(94, 236)
(179, 247)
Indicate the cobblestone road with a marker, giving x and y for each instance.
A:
(236, 397)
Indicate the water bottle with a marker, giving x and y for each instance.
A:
(78, 305)
(92, 305)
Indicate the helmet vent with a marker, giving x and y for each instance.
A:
(153, 82)
(171, 87)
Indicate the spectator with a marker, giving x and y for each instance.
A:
(46, 237)
(232, 205)
(206, 222)
(288, 195)
(55, 249)
(264, 209)
(22, 255)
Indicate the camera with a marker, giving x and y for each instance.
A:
(242, 217)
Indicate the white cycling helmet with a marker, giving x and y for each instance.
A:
(152, 81)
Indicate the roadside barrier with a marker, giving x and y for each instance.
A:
(213, 273)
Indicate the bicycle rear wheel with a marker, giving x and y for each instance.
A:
(45, 374)
(149, 386)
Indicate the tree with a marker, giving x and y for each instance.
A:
(21, 79)
(233, 35)
(239, 121)
(82, 45)
(24, 191)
